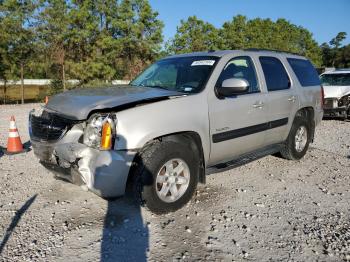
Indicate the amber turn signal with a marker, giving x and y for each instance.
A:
(106, 139)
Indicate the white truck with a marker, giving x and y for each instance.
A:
(336, 86)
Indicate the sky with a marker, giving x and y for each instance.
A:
(324, 18)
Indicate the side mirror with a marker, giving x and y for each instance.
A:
(233, 86)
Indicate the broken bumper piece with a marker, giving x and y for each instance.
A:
(103, 172)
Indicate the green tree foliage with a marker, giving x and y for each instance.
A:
(85, 40)
(102, 40)
(140, 35)
(53, 31)
(4, 66)
(334, 54)
(336, 41)
(281, 35)
(241, 33)
(194, 35)
(17, 28)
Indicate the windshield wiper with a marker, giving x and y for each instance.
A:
(160, 87)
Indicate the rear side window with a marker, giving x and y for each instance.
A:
(305, 72)
(276, 76)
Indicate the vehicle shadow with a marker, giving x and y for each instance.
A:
(15, 221)
(125, 236)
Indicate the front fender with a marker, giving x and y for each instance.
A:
(139, 125)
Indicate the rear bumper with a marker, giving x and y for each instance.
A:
(103, 172)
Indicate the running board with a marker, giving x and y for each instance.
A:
(244, 159)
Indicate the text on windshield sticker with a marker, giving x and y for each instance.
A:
(203, 63)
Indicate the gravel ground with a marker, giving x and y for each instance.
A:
(267, 210)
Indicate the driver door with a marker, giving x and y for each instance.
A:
(237, 124)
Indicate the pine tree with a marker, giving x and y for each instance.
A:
(17, 25)
(139, 33)
(54, 33)
(194, 35)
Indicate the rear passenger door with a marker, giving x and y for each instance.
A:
(282, 98)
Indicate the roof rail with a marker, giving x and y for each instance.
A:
(270, 50)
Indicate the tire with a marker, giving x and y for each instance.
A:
(289, 150)
(151, 164)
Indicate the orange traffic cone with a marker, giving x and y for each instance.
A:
(14, 144)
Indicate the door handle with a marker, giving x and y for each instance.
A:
(292, 99)
(258, 104)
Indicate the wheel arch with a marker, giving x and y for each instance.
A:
(191, 137)
(309, 114)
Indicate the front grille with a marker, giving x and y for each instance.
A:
(49, 126)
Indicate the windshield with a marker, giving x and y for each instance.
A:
(183, 74)
(335, 79)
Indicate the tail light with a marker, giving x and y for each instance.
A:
(107, 136)
(322, 97)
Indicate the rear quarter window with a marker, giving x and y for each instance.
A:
(305, 72)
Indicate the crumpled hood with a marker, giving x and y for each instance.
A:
(336, 91)
(78, 103)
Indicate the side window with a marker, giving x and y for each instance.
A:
(240, 67)
(276, 76)
(305, 72)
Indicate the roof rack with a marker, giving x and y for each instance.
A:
(270, 50)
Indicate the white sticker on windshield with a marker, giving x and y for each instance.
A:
(203, 63)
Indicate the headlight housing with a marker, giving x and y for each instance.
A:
(344, 101)
(100, 131)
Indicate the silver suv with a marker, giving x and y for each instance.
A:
(183, 117)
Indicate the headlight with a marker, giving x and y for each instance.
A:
(344, 101)
(100, 132)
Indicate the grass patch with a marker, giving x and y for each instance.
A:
(32, 93)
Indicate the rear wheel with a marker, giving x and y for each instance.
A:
(298, 140)
(166, 176)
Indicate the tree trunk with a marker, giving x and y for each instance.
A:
(63, 77)
(5, 83)
(22, 82)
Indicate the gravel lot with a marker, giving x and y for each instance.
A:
(267, 210)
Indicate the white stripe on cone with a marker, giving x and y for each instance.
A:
(13, 134)
(13, 125)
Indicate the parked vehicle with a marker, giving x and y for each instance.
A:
(183, 117)
(336, 86)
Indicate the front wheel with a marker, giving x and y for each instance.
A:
(298, 140)
(166, 176)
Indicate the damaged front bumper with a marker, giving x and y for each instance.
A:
(103, 172)
(335, 107)
(335, 112)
